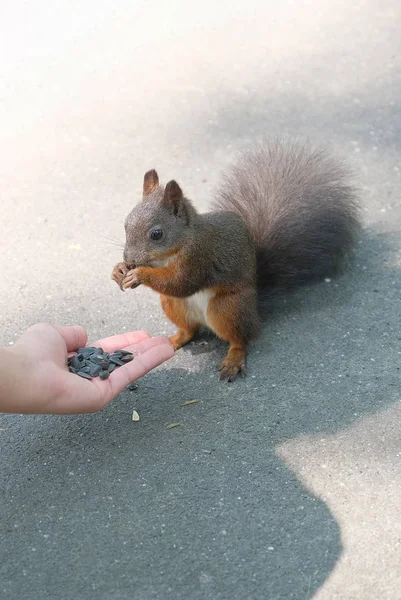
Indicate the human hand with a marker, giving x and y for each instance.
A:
(39, 380)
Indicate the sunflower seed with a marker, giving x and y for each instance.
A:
(91, 362)
(74, 362)
(127, 357)
(96, 359)
(83, 374)
(95, 370)
(116, 361)
(86, 351)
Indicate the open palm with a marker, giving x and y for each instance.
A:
(44, 350)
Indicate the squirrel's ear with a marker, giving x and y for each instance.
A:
(150, 182)
(173, 196)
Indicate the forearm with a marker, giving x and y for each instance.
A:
(16, 386)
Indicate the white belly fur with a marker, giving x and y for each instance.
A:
(197, 306)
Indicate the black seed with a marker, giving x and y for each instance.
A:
(127, 358)
(95, 359)
(87, 351)
(103, 374)
(95, 370)
(80, 357)
(72, 370)
(116, 361)
(111, 367)
(133, 387)
(99, 351)
(83, 374)
(124, 352)
(75, 362)
(104, 364)
(117, 353)
(85, 369)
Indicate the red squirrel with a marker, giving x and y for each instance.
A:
(284, 215)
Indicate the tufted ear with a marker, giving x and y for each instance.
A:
(150, 182)
(174, 198)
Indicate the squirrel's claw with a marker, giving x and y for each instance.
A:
(229, 371)
(119, 273)
(130, 279)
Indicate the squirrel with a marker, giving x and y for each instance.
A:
(285, 214)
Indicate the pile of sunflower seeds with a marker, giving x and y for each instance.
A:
(92, 362)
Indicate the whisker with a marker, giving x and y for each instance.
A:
(112, 240)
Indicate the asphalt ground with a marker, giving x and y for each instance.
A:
(285, 485)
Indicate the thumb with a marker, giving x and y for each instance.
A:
(75, 336)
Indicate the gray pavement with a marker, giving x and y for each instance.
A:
(284, 485)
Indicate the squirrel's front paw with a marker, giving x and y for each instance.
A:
(131, 280)
(119, 272)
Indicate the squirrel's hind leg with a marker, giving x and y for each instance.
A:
(175, 310)
(233, 317)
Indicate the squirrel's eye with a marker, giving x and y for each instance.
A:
(156, 234)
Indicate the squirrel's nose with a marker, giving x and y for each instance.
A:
(128, 258)
(127, 255)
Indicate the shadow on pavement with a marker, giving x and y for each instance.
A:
(101, 505)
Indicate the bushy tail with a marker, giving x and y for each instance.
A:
(301, 210)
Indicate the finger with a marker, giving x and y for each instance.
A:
(146, 344)
(75, 336)
(140, 366)
(121, 341)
